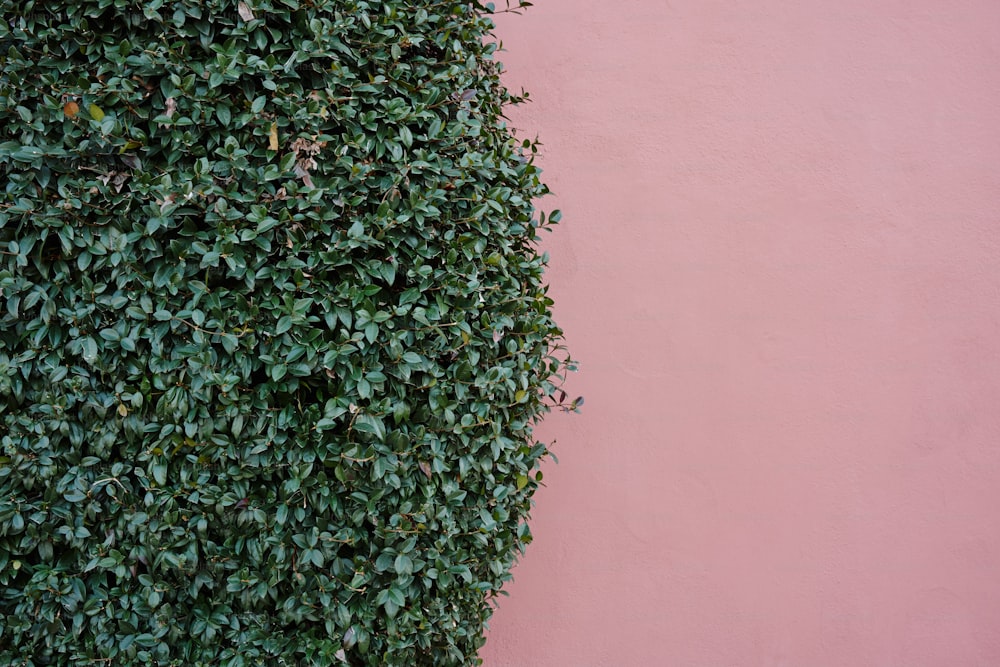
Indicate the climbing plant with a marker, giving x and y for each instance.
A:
(273, 332)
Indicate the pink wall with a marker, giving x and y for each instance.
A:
(780, 268)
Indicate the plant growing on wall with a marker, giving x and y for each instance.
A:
(273, 332)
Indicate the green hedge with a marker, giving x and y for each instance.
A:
(273, 332)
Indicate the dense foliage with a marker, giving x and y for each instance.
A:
(273, 332)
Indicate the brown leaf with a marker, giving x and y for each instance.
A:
(425, 468)
(245, 12)
(71, 109)
(272, 139)
(119, 181)
(167, 201)
(302, 173)
(170, 105)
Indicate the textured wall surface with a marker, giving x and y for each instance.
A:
(779, 267)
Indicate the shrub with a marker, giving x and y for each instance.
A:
(274, 334)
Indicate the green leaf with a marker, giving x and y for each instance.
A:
(89, 349)
(27, 154)
(370, 424)
(159, 472)
(403, 564)
(284, 324)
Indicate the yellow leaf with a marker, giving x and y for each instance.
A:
(96, 113)
(273, 138)
(519, 395)
(122, 410)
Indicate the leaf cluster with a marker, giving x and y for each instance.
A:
(273, 332)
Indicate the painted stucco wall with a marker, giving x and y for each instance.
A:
(780, 268)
